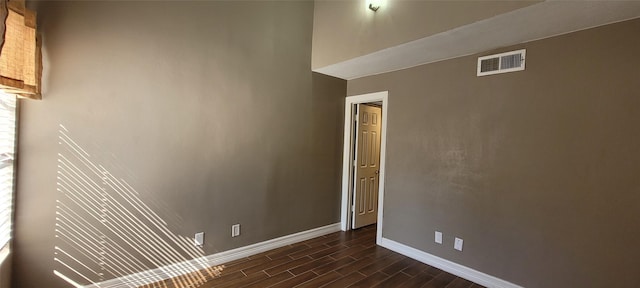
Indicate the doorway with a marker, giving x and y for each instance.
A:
(362, 175)
(366, 164)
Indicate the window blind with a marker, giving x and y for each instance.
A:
(7, 152)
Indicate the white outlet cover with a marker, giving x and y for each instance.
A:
(458, 244)
(235, 230)
(438, 238)
(199, 239)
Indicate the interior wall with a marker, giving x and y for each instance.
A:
(344, 30)
(5, 272)
(163, 119)
(536, 170)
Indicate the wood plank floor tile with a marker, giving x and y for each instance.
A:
(419, 280)
(235, 262)
(371, 280)
(355, 266)
(348, 252)
(328, 251)
(319, 241)
(397, 280)
(433, 270)
(381, 264)
(289, 265)
(245, 265)
(336, 260)
(297, 280)
(222, 279)
(414, 269)
(353, 238)
(289, 250)
(263, 254)
(440, 281)
(342, 240)
(272, 280)
(267, 265)
(345, 281)
(365, 240)
(398, 266)
(244, 281)
(321, 280)
(311, 265)
(333, 265)
(273, 253)
(307, 252)
(375, 252)
(460, 283)
(336, 236)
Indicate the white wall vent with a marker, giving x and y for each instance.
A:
(501, 63)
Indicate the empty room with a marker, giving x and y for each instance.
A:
(346, 143)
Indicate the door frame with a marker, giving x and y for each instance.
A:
(383, 96)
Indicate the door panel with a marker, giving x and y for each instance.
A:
(367, 170)
(373, 153)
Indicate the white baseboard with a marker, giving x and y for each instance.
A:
(446, 265)
(177, 269)
(246, 251)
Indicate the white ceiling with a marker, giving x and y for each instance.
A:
(543, 20)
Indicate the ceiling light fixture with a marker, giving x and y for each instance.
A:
(374, 5)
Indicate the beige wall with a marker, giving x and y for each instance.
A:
(5, 272)
(537, 170)
(347, 29)
(209, 111)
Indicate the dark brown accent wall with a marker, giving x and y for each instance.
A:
(537, 170)
(208, 111)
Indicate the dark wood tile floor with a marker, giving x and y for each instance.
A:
(341, 259)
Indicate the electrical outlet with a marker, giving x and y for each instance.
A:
(458, 244)
(235, 230)
(438, 237)
(199, 239)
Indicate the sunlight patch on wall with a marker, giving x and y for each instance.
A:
(105, 231)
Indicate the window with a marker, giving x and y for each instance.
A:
(7, 152)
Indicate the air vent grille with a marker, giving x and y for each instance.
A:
(501, 63)
(490, 64)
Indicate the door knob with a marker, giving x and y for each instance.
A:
(377, 171)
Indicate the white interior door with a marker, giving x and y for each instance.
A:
(367, 165)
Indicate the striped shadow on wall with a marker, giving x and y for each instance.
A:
(105, 231)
